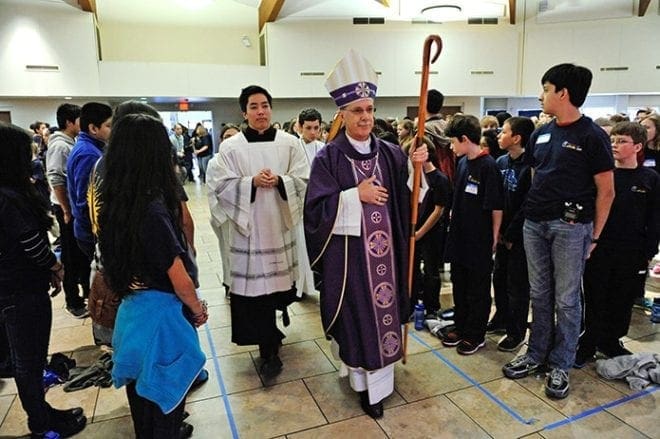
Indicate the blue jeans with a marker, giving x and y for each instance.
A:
(26, 317)
(203, 163)
(556, 253)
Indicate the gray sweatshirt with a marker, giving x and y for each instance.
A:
(59, 148)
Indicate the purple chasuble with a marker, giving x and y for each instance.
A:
(364, 298)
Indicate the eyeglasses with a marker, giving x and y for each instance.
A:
(361, 111)
(619, 141)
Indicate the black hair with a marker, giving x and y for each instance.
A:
(384, 126)
(434, 101)
(521, 126)
(491, 140)
(94, 113)
(464, 125)
(37, 124)
(309, 114)
(576, 79)
(67, 113)
(501, 117)
(138, 170)
(134, 107)
(388, 136)
(252, 90)
(636, 131)
(16, 170)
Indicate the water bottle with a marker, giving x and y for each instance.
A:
(655, 311)
(419, 315)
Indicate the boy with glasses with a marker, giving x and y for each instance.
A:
(616, 270)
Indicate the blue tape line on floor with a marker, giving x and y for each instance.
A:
(221, 382)
(475, 383)
(600, 408)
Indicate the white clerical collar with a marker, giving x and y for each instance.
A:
(361, 146)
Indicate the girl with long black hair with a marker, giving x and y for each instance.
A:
(28, 268)
(145, 258)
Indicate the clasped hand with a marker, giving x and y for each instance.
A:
(372, 193)
(265, 179)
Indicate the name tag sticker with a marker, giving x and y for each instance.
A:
(543, 138)
(472, 188)
(649, 163)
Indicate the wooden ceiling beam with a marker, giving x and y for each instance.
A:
(643, 6)
(268, 11)
(512, 11)
(88, 5)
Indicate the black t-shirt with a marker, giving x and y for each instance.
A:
(437, 195)
(17, 271)
(162, 242)
(203, 141)
(634, 220)
(477, 192)
(565, 160)
(516, 177)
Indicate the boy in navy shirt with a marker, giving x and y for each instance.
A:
(565, 211)
(616, 270)
(473, 231)
(510, 281)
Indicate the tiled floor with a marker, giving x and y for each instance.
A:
(438, 393)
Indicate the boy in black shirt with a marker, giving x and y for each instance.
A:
(429, 249)
(510, 281)
(565, 211)
(616, 270)
(473, 232)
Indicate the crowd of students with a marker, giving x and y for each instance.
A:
(534, 209)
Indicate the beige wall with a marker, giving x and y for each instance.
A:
(123, 42)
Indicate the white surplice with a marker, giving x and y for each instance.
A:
(219, 222)
(262, 250)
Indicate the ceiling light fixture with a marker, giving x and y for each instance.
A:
(445, 12)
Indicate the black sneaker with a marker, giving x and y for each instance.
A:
(495, 327)
(466, 347)
(510, 344)
(583, 356)
(614, 349)
(78, 313)
(520, 367)
(556, 385)
(451, 338)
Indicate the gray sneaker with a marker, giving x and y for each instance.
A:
(520, 367)
(556, 385)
